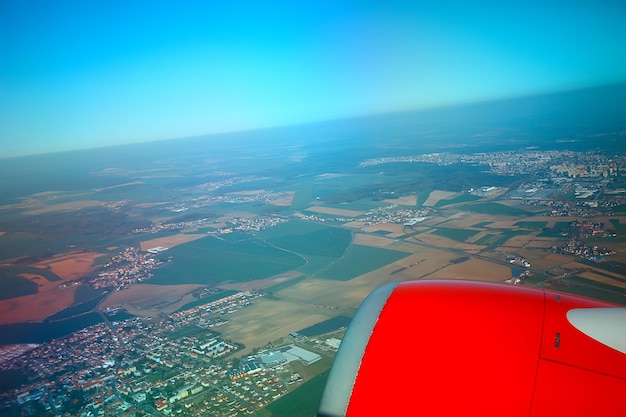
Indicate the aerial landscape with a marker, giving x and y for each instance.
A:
(220, 279)
(212, 270)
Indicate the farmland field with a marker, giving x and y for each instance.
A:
(493, 208)
(359, 260)
(590, 288)
(291, 228)
(170, 241)
(482, 224)
(14, 286)
(315, 264)
(463, 198)
(488, 239)
(44, 332)
(211, 260)
(326, 326)
(302, 197)
(302, 402)
(531, 224)
(149, 300)
(329, 242)
(409, 200)
(285, 284)
(475, 269)
(267, 320)
(505, 236)
(76, 309)
(460, 235)
(422, 197)
(436, 195)
(36, 307)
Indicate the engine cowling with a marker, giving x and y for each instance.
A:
(450, 347)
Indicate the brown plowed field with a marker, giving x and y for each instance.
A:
(50, 298)
(475, 269)
(36, 307)
(71, 266)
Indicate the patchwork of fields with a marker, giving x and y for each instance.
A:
(311, 271)
(299, 260)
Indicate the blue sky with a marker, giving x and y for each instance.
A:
(82, 74)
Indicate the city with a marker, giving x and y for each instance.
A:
(168, 365)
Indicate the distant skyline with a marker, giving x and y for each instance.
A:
(76, 74)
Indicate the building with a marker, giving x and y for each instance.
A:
(297, 353)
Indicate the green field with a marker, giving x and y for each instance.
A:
(604, 274)
(531, 225)
(19, 244)
(291, 228)
(45, 332)
(460, 235)
(211, 260)
(589, 288)
(316, 264)
(504, 236)
(302, 402)
(119, 317)
(488, 239)
(381, 232)
(12, 285)
(190, 331)
(303, 197)
(463, 198)
(619, 209)
(619, 227)
(76, 309)
(422, 196)
(556, 230)
(359, 260)
(493, 208)
(537, 280)
(43, 272)
(86, 292)
(329, 241)
(12, 378)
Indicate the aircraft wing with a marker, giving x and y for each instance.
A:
(450, 347)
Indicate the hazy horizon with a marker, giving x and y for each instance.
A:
(489, 104)
(82, 75)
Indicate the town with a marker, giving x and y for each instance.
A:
(569, 164)
(164, 366)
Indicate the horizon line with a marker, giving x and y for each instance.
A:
(460, 104)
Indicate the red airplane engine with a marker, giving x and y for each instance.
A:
(450, 347)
